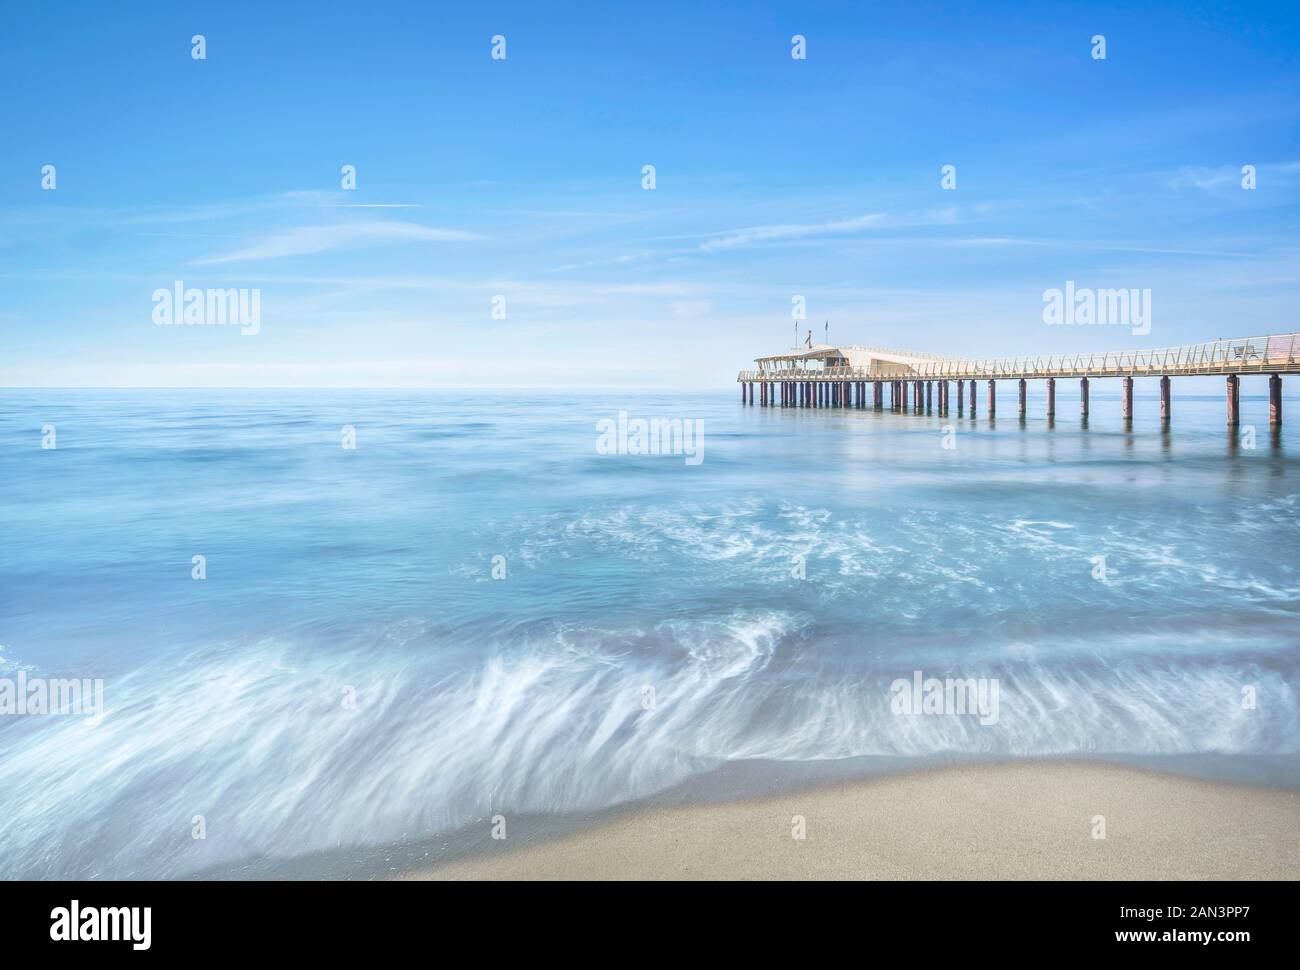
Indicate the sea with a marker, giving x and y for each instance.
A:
(347, 632)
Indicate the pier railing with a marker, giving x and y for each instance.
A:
(1278, 353)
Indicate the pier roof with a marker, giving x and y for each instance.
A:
(1274, 353)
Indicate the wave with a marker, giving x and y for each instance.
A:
(286, 749)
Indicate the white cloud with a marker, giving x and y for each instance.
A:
(307, 240)
(690, 308)
(835, 227)
(758, 234)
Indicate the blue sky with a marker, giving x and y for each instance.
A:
(522, 178)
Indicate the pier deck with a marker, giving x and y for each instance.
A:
(831, 376)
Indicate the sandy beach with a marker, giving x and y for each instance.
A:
(1034, 820)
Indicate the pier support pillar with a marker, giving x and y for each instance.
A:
(929, 392)
(993, 398)
(1274, 400)
(1128, 399)
(1051, 397)
(961, 396)
(1164, 400)
(877, 394)
(742, 392)
(1234, 401)
(972, 399)
(916, 395)
(1022, 397)
(1083, 397)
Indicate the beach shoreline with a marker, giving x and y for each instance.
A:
(1040, 819)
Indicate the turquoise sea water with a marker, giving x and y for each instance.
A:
(350, 674)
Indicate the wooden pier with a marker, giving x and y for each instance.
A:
(825, 376)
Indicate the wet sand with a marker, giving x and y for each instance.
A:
(1032, 820)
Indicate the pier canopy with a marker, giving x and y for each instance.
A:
(1268, 354)
(832, 360)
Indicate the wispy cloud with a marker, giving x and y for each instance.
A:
(1229, 177)
(835, 227)
(308, 240)
(760, 234)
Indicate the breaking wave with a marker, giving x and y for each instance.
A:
(285, 750)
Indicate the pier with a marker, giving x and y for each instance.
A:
(826, 376)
